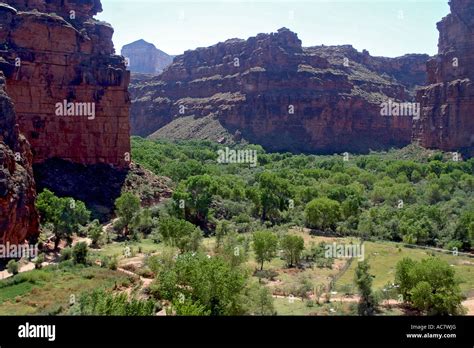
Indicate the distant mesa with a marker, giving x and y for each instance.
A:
(145, 58)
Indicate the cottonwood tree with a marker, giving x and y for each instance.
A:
(66, 215)
(272, 196)
(430, 286)
(265, 245)
(211, 284)
(127, 205)
(322, 213)
(180, 234)
(293, 247)
(193, 199)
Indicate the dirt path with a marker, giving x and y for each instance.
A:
(469, 304)
(30, 266)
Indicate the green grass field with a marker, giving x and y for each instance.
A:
(383, 258)
(48, 291)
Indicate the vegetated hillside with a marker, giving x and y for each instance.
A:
(271, 91)
(411, 195)
(214, 247)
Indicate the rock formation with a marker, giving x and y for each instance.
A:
(447, 117)
(68, 87)
(145, 58)
(271, 91)
(70, 95)
(18, 216)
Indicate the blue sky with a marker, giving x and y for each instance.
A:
(384, 28)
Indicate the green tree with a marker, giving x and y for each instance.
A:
(363, 280)
(193, 199)
(265, 245)
(260, 301)
(430, 286)
(203, 281)
(223, 228)
(66, 215)
(233, 249)
(322, 213)
(272, 197)
(180, 233)
(127, 205)
(465, 230)
(94, 232)
(293, 247)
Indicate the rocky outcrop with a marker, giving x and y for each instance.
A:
(409, 70)
(271, 91)
(18, 217)
(70, 96)
(446, 120)
(68, 87)
(145, 58)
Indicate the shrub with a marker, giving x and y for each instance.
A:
(79, 253)
(13, 267)
(66, 254)
(39, 261)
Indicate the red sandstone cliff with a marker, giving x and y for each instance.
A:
(447, 118)
(272, 91)
(59, 54)
(18, 216)
(53, 52)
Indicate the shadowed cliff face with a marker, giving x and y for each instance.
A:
(272, 91)
(69, 93)
(18, 216)
(446, 120)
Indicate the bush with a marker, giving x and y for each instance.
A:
(66, 254)
(39, 261)
(100, 302)
(79, 253)
(13, 267)
(113, 263)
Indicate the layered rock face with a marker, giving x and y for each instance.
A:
(70, 95)
(271, 91)
(68, 87)
(447, 117)
(145, 58)
(18, 217)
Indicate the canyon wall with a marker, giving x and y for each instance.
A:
(70, 94)
(59, 55)
(447, 117)
(271, 91)
(18, 216)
